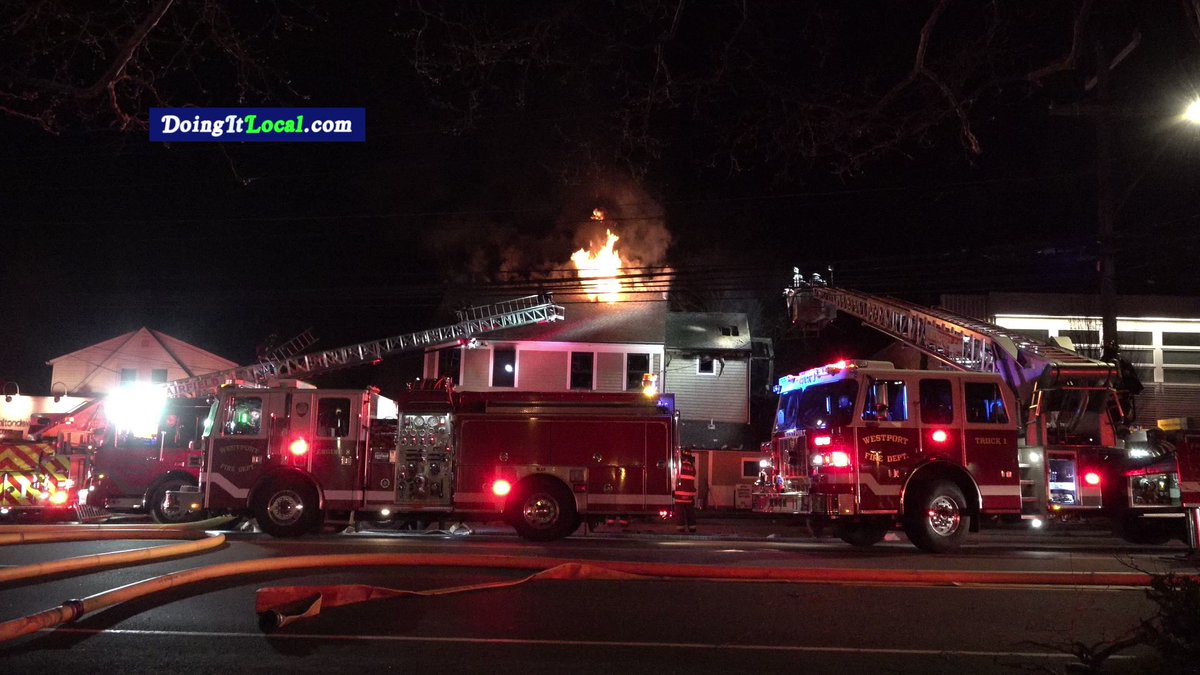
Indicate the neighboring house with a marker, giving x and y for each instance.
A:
(1160, 335)
(702, 358)
(141, 356)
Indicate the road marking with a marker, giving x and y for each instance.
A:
(574, 643)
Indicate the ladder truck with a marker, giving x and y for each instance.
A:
(1009, 427)
(148, 441)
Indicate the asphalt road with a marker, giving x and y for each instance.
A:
(598, 625)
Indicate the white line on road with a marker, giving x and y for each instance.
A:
(575, 643)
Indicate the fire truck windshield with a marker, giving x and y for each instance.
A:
(819, 406)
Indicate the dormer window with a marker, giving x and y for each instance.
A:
(729, 331)
(704, 365)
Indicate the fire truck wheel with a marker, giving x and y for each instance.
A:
(937, 521)
(176, 514)
(543, 510)
(287, 507)
(863, 534)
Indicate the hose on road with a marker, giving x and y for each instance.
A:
(75, 609)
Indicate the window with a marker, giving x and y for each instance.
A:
(1181, 339)
(937, 402)
(985, 403)
(1082, 337)
(1180, 357)
(333, 417)
(729, 331)
(636, 365)
(449, 362)
(1139, 337)
(751, 468)
(504, 367)
(583, 366)
(821, 406)
(704, 365)
(158, 375)
(243, 416)
(887, 401)
(128, 375)
(1180, 376)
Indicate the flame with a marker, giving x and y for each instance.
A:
(601, 267)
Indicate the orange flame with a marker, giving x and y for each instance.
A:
(601, 267)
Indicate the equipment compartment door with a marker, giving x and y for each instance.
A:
(615, 454)
(659, 453)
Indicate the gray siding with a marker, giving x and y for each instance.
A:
(610, 371)
(720, 397)
(476, 368)
(542, 370)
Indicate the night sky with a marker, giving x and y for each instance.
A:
(222, 245)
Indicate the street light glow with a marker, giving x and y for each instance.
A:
(1192, 114)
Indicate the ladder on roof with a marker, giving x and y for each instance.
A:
(471, 321)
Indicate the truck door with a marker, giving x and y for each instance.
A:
(990, 445)
(889, 443)
(660, 448)
(337, 436)
(240, 444)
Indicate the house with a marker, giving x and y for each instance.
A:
(704, 359)
(143, 355)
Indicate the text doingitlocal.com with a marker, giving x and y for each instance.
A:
(251, 124)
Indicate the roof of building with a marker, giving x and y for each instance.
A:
(988, 305)
(618, 322)
(708, 331)
(173, 346)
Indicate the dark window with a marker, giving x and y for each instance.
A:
(1142, 357)
(448, 363)
(937, 402)
(1135, 337)
(1082, 337)
(750, 468)
(243, 416)
(504, 367)
(821, 406)
(704, 365)
(887, 401)
(729, 331)
(333, 417)
(636, 365)
(583, 365)
(985, 403)
(128, 375)
(158, 375)
(1181, 339)
(1181, 376)
(1180, 358)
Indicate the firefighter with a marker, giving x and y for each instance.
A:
(685, 493)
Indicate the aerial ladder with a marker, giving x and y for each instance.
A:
(1070, 408)
(281, 365)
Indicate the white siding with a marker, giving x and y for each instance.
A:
(477, 368)
(721, 397)
(610, 371)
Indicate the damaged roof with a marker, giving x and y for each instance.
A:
(618, 322)
(708, 331)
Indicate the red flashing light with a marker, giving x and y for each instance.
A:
(839, 459)
(1091, 478)
(377, 362)
(840, 364)
(822, 440)
(939, 436)
(501, 488)
(298, 447)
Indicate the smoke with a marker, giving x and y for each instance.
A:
(532, 247)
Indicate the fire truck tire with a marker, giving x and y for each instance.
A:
(158, 494)
(865, 533)
(542, 510)
(937, 519)
(287, 507)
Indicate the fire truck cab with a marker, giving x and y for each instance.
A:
(864, 446)
(543, 462)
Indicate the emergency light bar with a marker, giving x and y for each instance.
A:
(828, 372)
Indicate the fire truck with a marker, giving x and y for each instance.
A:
(1009, 427)
(145, 441)
(542, 462)
(38, 480)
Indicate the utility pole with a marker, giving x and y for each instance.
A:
(1106, 214)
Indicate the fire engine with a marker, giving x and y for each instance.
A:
(1010, 427)
(143, 441)
(37, 479)
(543, 462)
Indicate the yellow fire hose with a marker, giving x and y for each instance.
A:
(75, 609)
(200, 542)
(209, 524)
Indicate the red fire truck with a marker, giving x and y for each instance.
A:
(38, 480)
(1008, 427)
(544, 462)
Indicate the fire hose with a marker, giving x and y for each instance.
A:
(275, 611)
